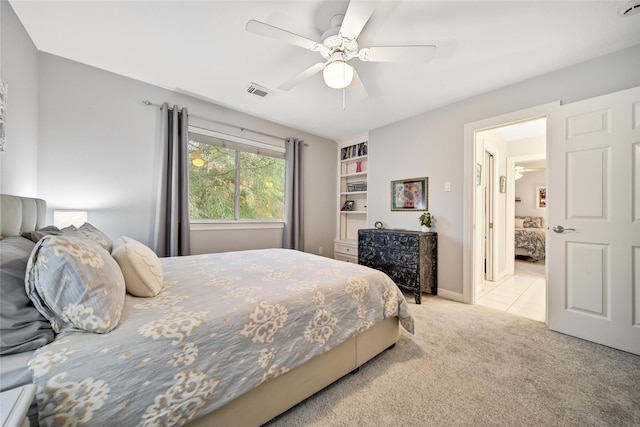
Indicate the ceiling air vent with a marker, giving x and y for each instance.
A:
(258, 90)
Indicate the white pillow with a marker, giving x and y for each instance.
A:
(140, 266)
(75, 284)
(519, 222)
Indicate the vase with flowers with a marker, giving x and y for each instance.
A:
(425, 221)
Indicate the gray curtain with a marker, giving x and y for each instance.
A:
(172, 216)
(293, 235)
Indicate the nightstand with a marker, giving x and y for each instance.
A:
(346, 251)
(14, 405)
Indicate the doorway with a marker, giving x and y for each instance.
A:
(514, 282)
(475, 286)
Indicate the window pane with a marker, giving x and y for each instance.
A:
(212, 181)
(261, 187)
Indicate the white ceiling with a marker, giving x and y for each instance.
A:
(202, 48)
(527, 129)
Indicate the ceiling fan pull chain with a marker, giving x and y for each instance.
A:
(344, 99)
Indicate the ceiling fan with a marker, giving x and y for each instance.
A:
(521, 170)
(339, 45)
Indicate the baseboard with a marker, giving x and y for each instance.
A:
(454, 296)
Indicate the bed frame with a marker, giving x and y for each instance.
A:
(271, 398)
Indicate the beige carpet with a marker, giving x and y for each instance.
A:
(474, 366)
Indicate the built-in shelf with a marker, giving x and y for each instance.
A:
(352, 187)
(354, 175)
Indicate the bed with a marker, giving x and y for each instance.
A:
(215, 339)
(530, 237)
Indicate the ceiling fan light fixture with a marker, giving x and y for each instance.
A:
(338, 74)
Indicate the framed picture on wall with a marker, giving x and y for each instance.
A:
(410, 194)
(541, 197)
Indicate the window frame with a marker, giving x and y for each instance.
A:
(239, 145)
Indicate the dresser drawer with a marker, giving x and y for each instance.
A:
(405, 277)
(347, 258)
(346, 249)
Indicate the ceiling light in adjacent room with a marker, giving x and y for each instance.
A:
(338, 74)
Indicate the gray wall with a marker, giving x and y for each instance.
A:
(97, 144)
(432, 145)
(96, 147)
(19, 67)
(526, 191)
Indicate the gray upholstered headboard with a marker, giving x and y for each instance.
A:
(18, 214)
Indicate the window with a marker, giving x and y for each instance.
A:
(234, 179)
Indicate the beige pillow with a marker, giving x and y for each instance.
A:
(519, 222)
(140, 266)
(532, 222)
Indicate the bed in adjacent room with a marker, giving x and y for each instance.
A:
(530, 237)
(216, 339)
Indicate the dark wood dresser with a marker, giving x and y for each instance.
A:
(409, 258)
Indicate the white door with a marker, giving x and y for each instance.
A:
(594, 194)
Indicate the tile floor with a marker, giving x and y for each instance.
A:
(522, 294)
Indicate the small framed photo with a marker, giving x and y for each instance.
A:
(503, 184)
(541, 197)
(348, 205)
(410, 194)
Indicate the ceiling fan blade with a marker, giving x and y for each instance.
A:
(357, 15)
(309, 72)
(417, 54)
(267, 30)
(356, 88)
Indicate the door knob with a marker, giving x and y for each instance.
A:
(560, 229)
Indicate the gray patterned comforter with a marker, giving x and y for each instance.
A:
(223, 324)
(533, 240)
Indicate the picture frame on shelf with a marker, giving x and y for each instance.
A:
(348, 205)
(410, 194)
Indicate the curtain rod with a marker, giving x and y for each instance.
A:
(242, 129)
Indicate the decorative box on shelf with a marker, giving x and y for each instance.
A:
(356, 186)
